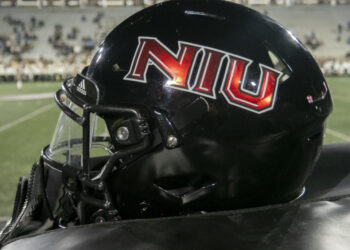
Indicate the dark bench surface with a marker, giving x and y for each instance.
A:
(320, 221)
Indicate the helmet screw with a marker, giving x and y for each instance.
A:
(116, 67)
(107, 204)
(63, 97)
(69, 84)
(123, 133)
(99, 219)
(171, 141)
(144, 206)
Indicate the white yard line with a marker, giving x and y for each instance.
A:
(26, 97)
(337, 134)
(26, 117)
(2, 219)
(342, 99)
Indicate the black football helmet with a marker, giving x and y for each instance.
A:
(187, 106)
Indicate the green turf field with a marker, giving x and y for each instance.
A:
(22, 139)
(338, 124)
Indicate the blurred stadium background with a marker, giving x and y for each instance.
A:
(44, 41)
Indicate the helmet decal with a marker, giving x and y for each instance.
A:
(81, 87)
(178, 68)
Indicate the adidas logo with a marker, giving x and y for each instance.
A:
(81, 88)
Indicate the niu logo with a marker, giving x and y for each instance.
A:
(179, 69)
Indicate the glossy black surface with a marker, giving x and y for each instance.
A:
(229, 157)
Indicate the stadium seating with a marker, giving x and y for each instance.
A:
(323, 20)
(318, 26)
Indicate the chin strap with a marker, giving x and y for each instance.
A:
(30, 211)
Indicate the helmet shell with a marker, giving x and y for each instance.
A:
(240, 157)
